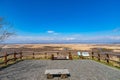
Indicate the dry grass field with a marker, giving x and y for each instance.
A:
(115, 47)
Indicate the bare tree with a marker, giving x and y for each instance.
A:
(5, 31)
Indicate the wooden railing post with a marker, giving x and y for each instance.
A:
(82, 55)
(70, 56)
(45, 55)
(5, 60)
(33, 55)
(107, 58)
(21, 55)
(52, 57)
(57, 54)
(98, 56)
(92, 55)
(15, 56)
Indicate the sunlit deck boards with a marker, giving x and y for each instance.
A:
(57, 71)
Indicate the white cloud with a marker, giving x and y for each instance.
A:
(50, 32)
(62, 38)
(69, 39)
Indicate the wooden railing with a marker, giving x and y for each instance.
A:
(48, 55)
(107, 57)
(35, 54)
(10, 57)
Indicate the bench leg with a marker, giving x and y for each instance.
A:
(49, 76)
(63, 76)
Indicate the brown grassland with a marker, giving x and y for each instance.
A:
(115, 47)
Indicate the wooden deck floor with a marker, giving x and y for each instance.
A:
(79, 70)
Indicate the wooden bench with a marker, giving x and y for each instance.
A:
(61, 58)
(62, 72)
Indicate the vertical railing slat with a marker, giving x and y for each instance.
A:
(33, 55)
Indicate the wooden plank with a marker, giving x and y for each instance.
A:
(57, 71)
(10, 59)
(2, 56)
(61, 58)
(115, 61)
(10, 54)
(2, 63)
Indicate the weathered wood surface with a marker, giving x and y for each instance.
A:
(60, 58)
(57, 71)
(79, 70)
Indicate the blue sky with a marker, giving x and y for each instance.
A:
(63, 20)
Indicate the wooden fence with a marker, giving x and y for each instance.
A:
(49, 55)
(10, 57)
(107, 57)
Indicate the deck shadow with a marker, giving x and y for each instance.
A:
(58, 75)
